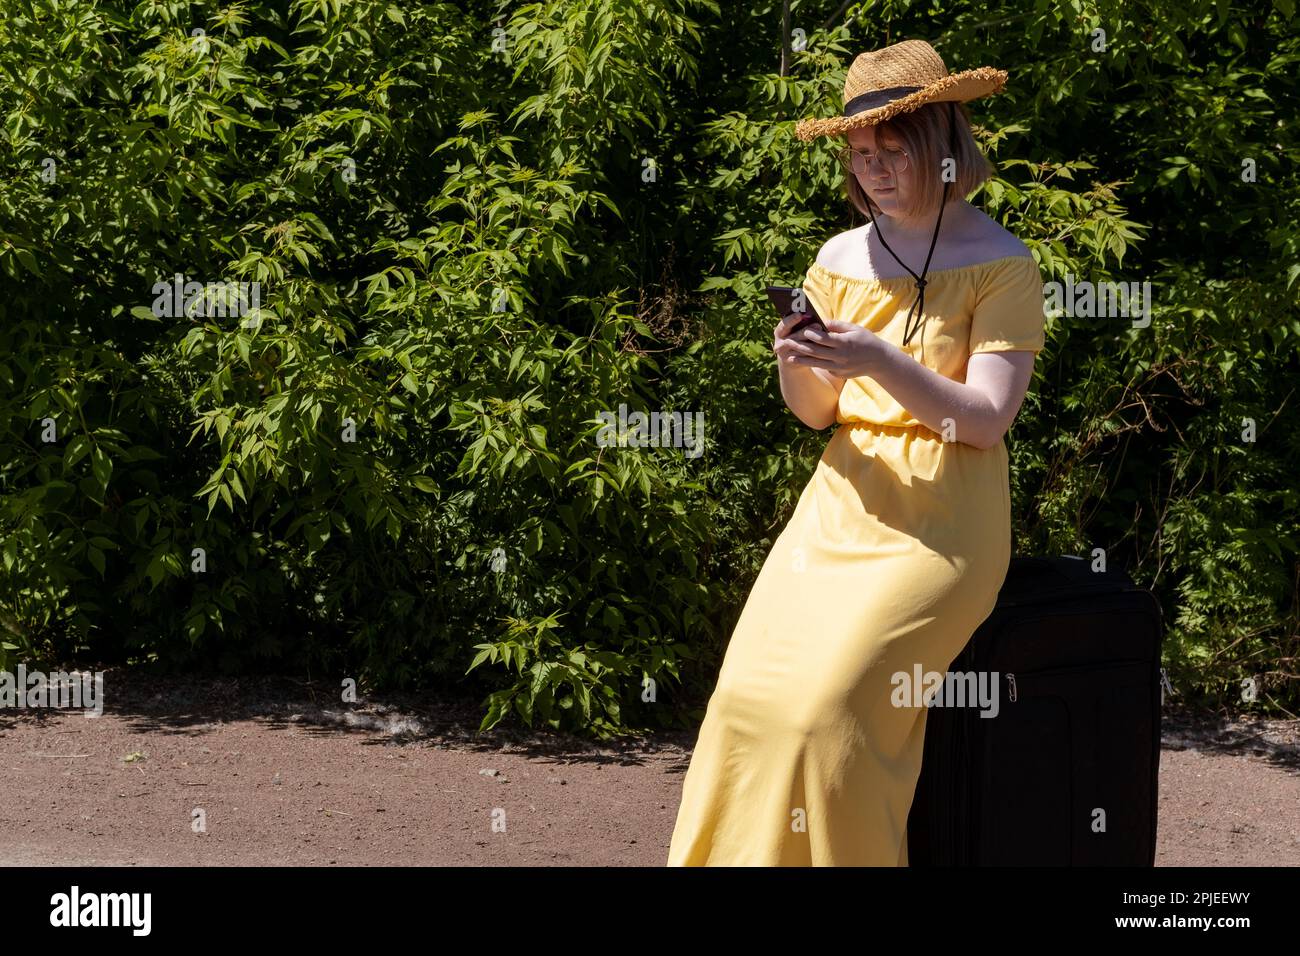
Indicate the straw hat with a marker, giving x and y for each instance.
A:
(896, 79)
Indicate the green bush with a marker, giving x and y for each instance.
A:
(477, 227)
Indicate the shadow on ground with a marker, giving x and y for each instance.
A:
(194, 706)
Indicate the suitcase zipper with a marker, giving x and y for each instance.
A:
(1051, 672)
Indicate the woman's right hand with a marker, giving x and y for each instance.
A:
(782, 342)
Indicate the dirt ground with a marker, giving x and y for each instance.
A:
(283, 780)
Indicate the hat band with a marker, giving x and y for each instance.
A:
(874, 98)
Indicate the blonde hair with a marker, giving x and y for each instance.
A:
(924, 134)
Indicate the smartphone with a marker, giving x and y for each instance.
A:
(783, 297)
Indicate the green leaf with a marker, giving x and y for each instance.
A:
(28, 260)
(77, 449)
(101, 465)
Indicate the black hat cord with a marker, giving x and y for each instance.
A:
(918, 306)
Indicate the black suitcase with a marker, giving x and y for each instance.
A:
(1076, 735)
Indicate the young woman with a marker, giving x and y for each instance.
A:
(810, 752)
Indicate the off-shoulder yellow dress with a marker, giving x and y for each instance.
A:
(893, 557)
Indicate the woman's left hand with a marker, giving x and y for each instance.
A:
(848, 350)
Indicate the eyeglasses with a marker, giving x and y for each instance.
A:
(857, 161)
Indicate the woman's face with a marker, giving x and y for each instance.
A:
(889, 189)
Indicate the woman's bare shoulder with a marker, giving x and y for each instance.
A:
(995, 241)
(834, 251)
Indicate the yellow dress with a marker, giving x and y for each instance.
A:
(893, 557)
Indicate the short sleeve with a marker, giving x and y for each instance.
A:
(1008, 313)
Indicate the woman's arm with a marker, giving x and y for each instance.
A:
(813, 394)
(810, 396)
(980, 411)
